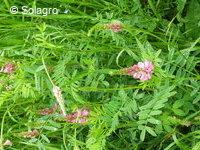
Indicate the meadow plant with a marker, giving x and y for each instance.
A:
(100, 75)
(142, 71)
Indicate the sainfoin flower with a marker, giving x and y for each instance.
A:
(30, 134)
(48, 111)
(8, 68)
(142, 70)
(115, 26)
(79, 116)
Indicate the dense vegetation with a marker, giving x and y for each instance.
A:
(100, 74)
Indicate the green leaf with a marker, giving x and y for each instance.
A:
(196, 146)
(147, 106)
(144, 114)
(130, 106)
(54, 124)
(40, 68)
(197, 99)
(45, 138)
(150, 131)
(179, 112)
(4, 96)
(115, 121)
(77, 97)
(178, 104)
(193, 19)
(50, 128)
(159, 104)
(141, 122)
(168, 128)
(154, 121)
(155, 112)
(181, 4)
(142, 135)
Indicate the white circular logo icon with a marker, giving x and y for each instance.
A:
(13, 10)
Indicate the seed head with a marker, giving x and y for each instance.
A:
(58, 95)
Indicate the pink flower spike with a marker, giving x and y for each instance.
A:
(148, 66)
(142, 71)
(82, 120)
(115, 26)
(79, 116)
(30, 134)
(141, 65)
(136, 75)
(73, 121)
(133, 69)
(9, 68)
(85, 112)
(78, 112)
(48, 111)
(145, 77)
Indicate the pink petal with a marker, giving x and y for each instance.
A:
(132, 70)
(148, 66)
(142, 71)
(141, 65)
(136, 75)
(9, 68)
(145, 76)
(73, 121)
(82, 120)
(84, 112)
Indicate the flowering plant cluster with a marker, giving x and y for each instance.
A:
(79, 116)
(142, 70)
(106, 75)
(8, 68)
(115, 26)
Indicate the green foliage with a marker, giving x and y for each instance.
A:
(148, 112)
(86, 58)
(193, 19)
